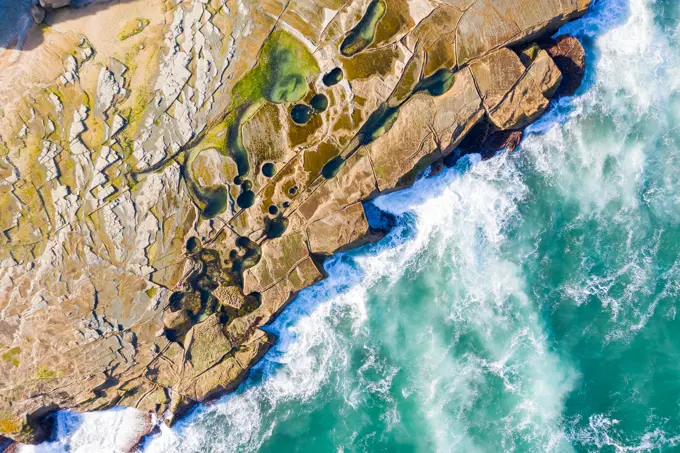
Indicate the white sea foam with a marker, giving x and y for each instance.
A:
(606, 174)
(112, 431)
(601, 432)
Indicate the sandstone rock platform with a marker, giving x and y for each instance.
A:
(173, 172)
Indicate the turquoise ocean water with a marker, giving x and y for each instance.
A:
(527, 303)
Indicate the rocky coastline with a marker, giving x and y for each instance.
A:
(172, 173)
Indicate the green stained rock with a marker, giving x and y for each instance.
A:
(281, 72)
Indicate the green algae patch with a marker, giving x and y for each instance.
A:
(279, 76)
(12, 356)
(214, 198)
(10, 425)
(132, 28)
(212, 201)
(529, 54)
(397, 18)
(362, 35)
(45, 373)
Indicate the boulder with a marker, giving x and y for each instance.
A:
(230, 296)
(545, 74)
(495, 75)
(570, 57)
(510, 95)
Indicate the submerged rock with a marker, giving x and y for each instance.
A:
(500, 140)
(319, 102)
(269, 169)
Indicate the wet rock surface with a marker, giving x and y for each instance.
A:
(161, 202)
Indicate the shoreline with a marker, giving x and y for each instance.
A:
(478, 134)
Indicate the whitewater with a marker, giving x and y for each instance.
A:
(525, 303)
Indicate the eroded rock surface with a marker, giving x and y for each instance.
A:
(173, 172)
